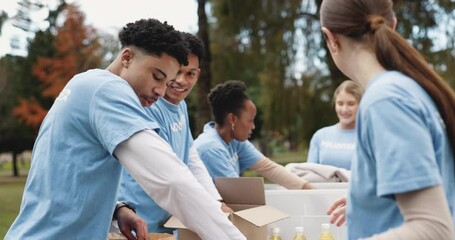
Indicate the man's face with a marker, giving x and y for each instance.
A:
(179, 88)
(147, 74)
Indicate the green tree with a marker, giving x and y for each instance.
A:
(276, 47)
(430, 27)
(270, 45)
(18, 81)
(14, 137)
(3, 18)
(76, 48)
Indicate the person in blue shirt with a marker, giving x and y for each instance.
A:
(97, 125)
(223, 145)
(335, 145)
(402, 183)
(171, 114)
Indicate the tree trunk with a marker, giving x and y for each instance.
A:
(203, 86)
(15, 168)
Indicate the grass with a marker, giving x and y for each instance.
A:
(11, 188)
(282, 159)
(10, 199)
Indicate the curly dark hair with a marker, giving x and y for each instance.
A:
(225, 98)
(155, 38)
(195, 45)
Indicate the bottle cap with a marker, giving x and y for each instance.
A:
(299, 229)
(275, 230)
(325, 226)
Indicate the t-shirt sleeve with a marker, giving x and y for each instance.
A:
(402, 147)
(313, 152)
(248, 155)
(116, 114)
(156, 115)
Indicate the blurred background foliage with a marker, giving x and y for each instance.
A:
(275, 47)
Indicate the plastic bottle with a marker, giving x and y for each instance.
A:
(299, 234)
(325, 232)
(275, 234)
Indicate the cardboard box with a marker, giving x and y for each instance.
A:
(246, 196)
(308, 209)
(152, 236)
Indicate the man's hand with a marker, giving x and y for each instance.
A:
(128, 221)
(338, 211)
(225, 208)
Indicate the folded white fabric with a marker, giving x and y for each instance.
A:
(314, 172)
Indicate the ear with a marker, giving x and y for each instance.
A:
(230, 118)
(394, 23)
(127, 55)
(198, 73)
(333, 42)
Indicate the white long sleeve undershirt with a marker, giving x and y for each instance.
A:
(168, 181)
(199, 170)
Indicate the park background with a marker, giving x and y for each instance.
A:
(275, 47)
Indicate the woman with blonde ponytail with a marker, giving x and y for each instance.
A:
(403, 180)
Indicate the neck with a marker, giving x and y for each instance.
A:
(169, 100)
(224, 132)
(114, 67)
(363, 65)
(347, 126)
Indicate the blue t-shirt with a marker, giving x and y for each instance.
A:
(73, 180)
(225, 159)
(332, 146)
(402, 146)
(174, 128)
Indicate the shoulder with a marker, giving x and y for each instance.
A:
(209, 147)
(391, 86)
(325, 130)
(207, 141)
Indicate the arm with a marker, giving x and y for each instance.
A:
(313, 151)
(426, 216)
(199, 170)
(169, 182)
(277, 173)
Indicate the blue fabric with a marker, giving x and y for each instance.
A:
(72, 184)
(402, 146)
(332, 146)
(225, 159)
(173, 121)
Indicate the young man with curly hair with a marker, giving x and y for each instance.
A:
(171, 113)
(97, 125)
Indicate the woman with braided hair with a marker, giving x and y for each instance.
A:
(402, 184)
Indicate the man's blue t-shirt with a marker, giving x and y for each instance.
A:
(174, 128)
(71, 188)
(332, 146)
(402, 146)
(225, 159)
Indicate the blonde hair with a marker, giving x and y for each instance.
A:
(350, 87)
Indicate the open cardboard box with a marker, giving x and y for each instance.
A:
(246, 196)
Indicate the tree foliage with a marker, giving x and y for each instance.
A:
(75, 47)
(276, 48)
